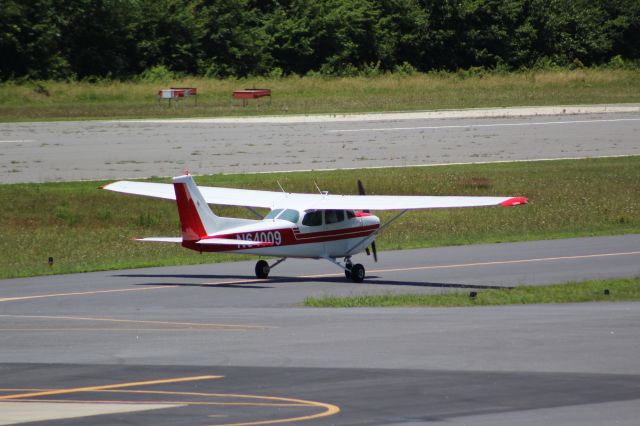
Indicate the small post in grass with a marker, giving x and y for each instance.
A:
(606, 292)
(50, 261)
(473, 295)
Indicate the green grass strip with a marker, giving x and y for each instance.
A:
(87, 229)
(57, 100)
(574, 292)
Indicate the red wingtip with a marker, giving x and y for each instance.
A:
(515, 201)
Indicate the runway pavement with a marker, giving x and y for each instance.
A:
(39, 152)
(209, 344)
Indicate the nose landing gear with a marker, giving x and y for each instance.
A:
(357, 273)
(352, 272)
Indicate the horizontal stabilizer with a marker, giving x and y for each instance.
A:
(174, 240)
(231, 242)
(146, 189)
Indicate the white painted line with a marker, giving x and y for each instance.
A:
(21, 412)
(471, 126)
(402, 166)
(526, 111)
(19, 141)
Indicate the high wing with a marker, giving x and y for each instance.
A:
(272, 199)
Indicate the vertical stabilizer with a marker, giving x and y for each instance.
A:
(196, 218)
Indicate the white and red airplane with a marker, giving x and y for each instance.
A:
(318, 226)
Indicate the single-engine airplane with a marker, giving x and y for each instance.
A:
(318, 226)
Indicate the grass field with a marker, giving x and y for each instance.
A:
(51, 100)
(84, 228)
(586, 291)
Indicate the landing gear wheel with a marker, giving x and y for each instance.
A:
(262, 269)
(347, 272)
(357, 273)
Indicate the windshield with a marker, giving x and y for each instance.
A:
(273, 213)
(290, 215)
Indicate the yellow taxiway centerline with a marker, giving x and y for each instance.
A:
(409, 269)
(498, 262)
(275, 401)
(83, 293)
(147, 322)
(241, 281)
(457, 265)
(106, 387)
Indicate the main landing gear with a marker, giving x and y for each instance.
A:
(352, 272)
(263, 268)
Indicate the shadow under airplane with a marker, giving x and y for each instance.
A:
(251, 282)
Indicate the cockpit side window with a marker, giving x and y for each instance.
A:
(351, 214)
(334, 216)
(273, 213)
(312, 218)
(290, 215)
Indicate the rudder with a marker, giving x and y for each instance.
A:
(196, 218)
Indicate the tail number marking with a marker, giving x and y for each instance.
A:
(273, 237)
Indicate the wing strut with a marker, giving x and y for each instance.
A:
(252, 210)
(393, 219)
(387, 223)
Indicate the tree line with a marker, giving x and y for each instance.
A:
(120, 39)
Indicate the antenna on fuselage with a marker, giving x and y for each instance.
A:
(278, 182)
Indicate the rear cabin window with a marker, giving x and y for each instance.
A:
(313, 218)
(290, 215)
(333, 216)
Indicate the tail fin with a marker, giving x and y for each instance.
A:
(196, 218)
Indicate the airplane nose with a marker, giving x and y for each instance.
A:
(370, 220)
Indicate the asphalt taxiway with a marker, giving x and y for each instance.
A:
(209, 344)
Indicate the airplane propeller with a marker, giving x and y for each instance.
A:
(361, 191)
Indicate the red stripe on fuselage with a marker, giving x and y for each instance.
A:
(336, 234)
(288, 237)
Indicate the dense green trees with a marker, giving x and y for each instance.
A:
(123, 38)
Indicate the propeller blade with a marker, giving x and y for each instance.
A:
(361, 191)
